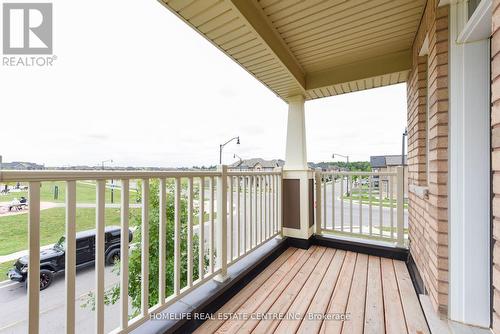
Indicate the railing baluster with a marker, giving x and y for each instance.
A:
(370, 221)
(201, 227)
(400, 206)
(244, 179)
(273, 203)
(349, 180)
(333, 202)
(380, 212)
(324, 200)
(269, 208)
(280, 201)
(391, 204)
(222, 223)
(317, 195)
(162, 237)
(231, 218)
(250, 220)
(256, 229)
(360, 194)
(34, 257)
(124, 241)
(238, 214)
(190, 234)
(99, 256)
(145, 248)
(212, 229)
(177, 237)
(262, 213)
(342, 203)
(70, 255)
(264, 208)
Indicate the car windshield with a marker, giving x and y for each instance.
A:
(61, 244)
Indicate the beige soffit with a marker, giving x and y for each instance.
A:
(316, 48)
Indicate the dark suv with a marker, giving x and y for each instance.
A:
(52, 260)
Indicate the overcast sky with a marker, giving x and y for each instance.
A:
(135, 84)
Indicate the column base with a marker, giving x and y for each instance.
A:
(221, 278)
(300, 243)
(298, 204)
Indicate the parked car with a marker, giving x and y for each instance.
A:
(52, 260)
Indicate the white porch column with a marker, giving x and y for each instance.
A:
(296, 152)
(298, 186)
(469, 165)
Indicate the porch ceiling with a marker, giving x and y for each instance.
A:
(317, 48)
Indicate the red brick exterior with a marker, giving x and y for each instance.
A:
(428, 217)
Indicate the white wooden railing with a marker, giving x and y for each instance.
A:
(242, 217)
(365, 205)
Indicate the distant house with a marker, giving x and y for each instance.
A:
(388, 163)
(325, 166)
(257, 164)
(382, 163)
(21, 165)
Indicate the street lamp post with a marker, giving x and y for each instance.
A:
(221, 146)
(347, 158)
(237, 156)
(103, 162)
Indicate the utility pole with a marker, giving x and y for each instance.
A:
(221, 146)
(347, 158)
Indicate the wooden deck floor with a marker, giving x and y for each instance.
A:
(302, 286)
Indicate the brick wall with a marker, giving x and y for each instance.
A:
(428, 217)
(495, 158)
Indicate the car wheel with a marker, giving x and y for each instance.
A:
(113, 257)
(45, 278)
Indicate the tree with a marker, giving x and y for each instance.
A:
(112, 295)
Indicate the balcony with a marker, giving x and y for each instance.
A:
(242, 218)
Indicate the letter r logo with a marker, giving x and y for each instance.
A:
(27, 28)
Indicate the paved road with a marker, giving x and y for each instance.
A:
(14, 305)
(358, 211)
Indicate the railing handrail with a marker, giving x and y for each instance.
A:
(63, 175)
(71, 175)
(360, 173)
(249, 173)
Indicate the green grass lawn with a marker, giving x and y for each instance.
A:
(4, 268)
(85, 193)
(388, 229)
(365, 199)
(14, 229)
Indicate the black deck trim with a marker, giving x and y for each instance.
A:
(417, 280)
(300, 243)
(360, 247)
